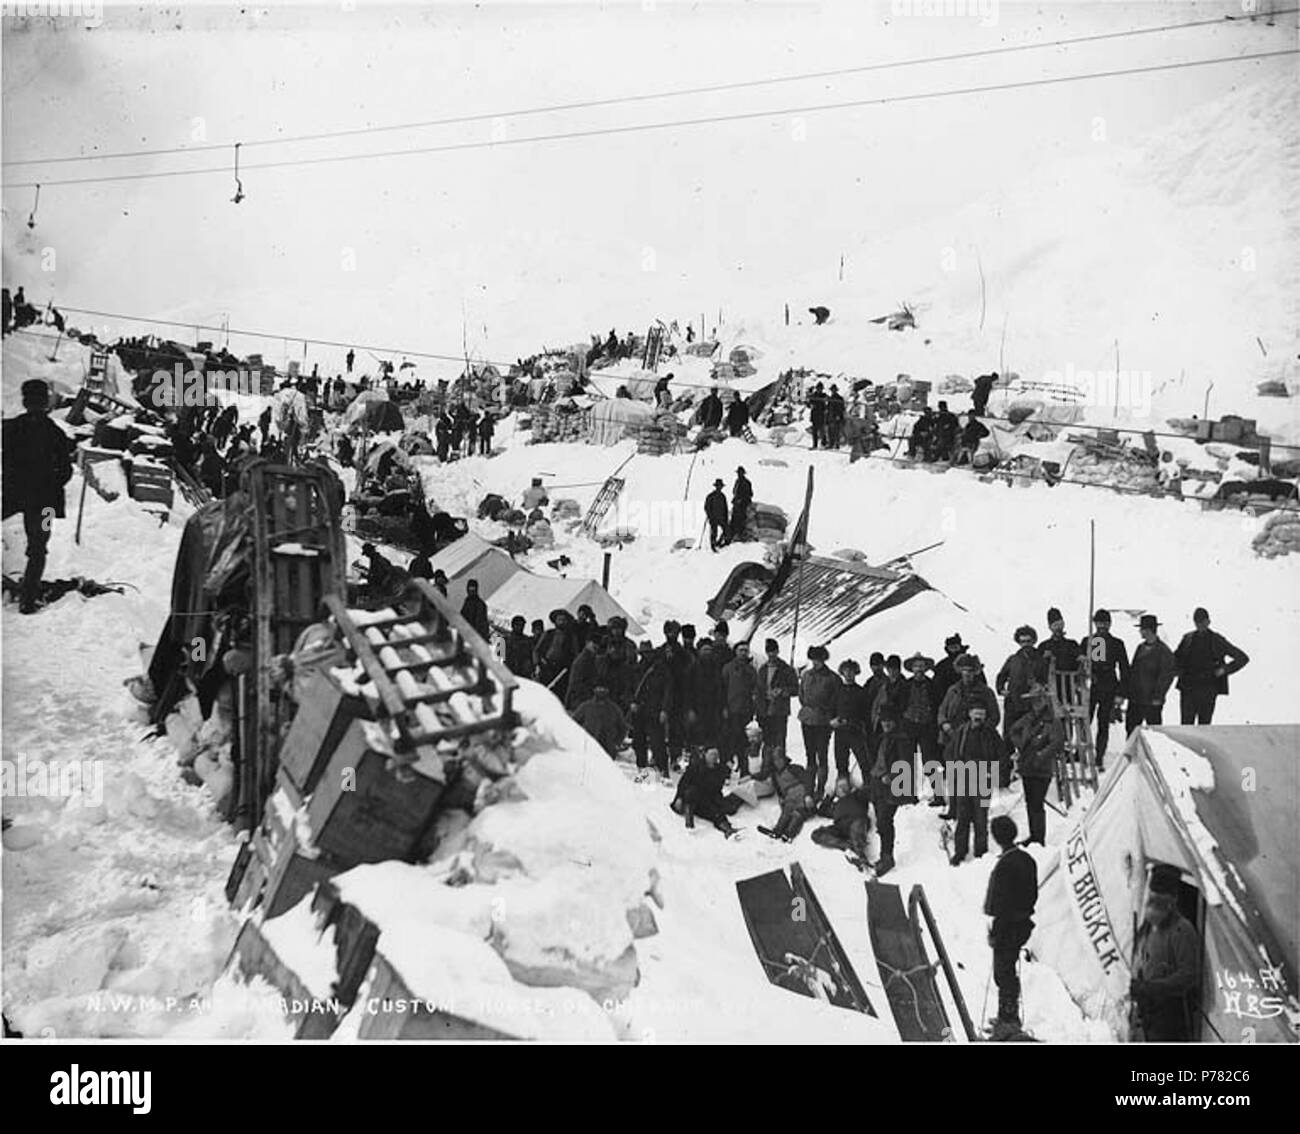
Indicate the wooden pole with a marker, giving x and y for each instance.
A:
(1117, 377)
(800, 548)
(1091, 770)
(81, 507)
(604, 574)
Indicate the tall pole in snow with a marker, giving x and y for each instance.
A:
(799, 547)
(1117, 377)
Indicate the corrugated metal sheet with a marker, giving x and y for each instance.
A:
(832, 596)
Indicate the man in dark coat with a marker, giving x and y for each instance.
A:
(737, 416)
(557, 648)
(850, 821)
(851, 721)
(1058, 651)
(603, 719)
(706, 695)
(793, 787)
(972, 433)
(945, 673)
(648, 712)
(1109, 660)
(742, 495)
(715, 511)
(710, 411)
(835, 413)
(1009, 903)
(1018, 672)
(486, 426)
(922, 437)
(587, 670)
(1166, 975)
(777, 683)
(699, 792)
(37, 466)
(817, 415)
(420, 566)
(890, 782)
(1150, 676)
(946, 428)
(474, 611)
(1040, 742)
(740, 691)
(977, 754)
(1204, 658)
(818, 694)
(519, 647)
(980, 395)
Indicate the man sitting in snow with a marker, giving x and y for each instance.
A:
(794, 790)
(699, 792)
(850, 820)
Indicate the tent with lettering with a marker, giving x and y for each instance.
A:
(1219, 803)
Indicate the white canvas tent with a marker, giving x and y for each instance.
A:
(535, 596)
(472, 557)
(1219, 803)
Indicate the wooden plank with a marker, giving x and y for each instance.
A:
(907, 977)
(322, 720)
(387, 1022)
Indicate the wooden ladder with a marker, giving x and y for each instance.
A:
(298, 561)
(436, 678)
(1076, 767)
(609, 492)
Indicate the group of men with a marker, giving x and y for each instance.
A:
(712, 415)
(728, 525)
(826, 414)
(941, 436)
(460, 433)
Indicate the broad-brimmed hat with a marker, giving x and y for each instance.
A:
(1148, 622)
(918, 663)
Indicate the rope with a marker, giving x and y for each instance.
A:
(905, 975)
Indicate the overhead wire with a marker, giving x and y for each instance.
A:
(633, 128)
(619, 100)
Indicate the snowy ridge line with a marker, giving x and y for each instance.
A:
(645, 97)
(711, 120)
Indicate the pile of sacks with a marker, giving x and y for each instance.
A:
(1279, 535)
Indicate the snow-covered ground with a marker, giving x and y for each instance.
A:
(114, 915)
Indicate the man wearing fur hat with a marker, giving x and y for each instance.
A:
(37, 466)
(1205, 658)
(1109, 679)
(920, 716)
(945, 673)
(1058, 650)
(1165, 975)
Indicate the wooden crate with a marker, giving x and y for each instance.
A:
(291, 876)
(381, 1020)
(377, 816)
(313, 1018)
(355, 937)
(323, 718)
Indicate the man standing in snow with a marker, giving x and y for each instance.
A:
(1018, 672)
(740, 689)
(742, 495)
(1150, 676)
(1009, 903)
(737, 416)
(946, 427)
(1109, 678)
(777, 683)
(817, 415)
(818, 692)
(918, 444)
(980, 395)
(1204, 659)
(602, 719)
(474, 610)
(649, 710)
(1040, 742)
(977, 753)
(835, 411)
(710, 411)
(1058, 651)
(945, 673)
(715, 511)
(893, 762)
(37, 466)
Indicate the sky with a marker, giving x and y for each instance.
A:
(509, 248)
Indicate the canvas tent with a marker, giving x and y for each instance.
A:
(615, 418)
(1219, 803)
(535, 596)
(472, 557)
